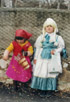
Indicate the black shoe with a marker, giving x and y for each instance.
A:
(15, 83)
(16, 89)
(49, 94)
(43, 94)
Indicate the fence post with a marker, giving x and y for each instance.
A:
(58, 4)
(2, 3)
(14, 3)
(69, 5)
(40, 4)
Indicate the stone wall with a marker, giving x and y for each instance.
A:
(32, 21)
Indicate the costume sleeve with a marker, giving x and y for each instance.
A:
(30, 49)
(10, 47)
(37, 45)
(7, 51)
(38, 42)
(61, 44)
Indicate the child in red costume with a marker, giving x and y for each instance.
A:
(20, 45)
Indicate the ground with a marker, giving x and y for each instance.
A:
(8, 94)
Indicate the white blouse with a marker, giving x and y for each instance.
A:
(60, 45)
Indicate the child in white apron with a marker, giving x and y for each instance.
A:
(47, 59)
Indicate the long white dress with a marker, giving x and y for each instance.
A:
(47, 68)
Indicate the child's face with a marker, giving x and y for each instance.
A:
(49, 29)
(20, 41)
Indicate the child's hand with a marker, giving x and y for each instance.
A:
(53, 52)
(5, 58)
(34, 61)
(25, 53)
(6, 55)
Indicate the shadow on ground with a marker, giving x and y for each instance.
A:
(26, 94)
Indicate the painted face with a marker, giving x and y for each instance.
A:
(49, 29)
(20, 41)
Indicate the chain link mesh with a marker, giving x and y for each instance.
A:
(32, 21)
